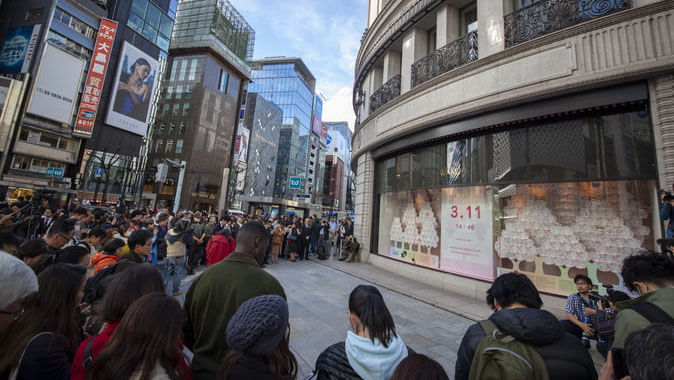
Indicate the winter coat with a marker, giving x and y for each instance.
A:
(564, 355)
(77, 371)
(176, 245)
(334, 362)
(629, 320)
(101, 260)
(45, 357)
(252, 367)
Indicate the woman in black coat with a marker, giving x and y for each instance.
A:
(294, 242)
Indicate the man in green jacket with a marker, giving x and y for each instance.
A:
(218, 292)
(652, 276)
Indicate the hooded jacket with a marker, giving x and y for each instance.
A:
(101, 260)
(563, 354)
(359, 358)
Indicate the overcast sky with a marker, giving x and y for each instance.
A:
(324, 33)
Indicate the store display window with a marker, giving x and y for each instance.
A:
(551, 200)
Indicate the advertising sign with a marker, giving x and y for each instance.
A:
(55, 172)
(57, 84)
(86, 114)
(316, 125)
(132, 93)
(466, 228)
(295, 183)
(18, 49)
(241, 145)
(324, 133)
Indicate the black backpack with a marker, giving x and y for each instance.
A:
(94, 289)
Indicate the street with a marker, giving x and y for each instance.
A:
(318, 300)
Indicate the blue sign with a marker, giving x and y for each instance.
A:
(99, 172)
(295, 183)
(55, 172)
(328, 140)
(18, 48)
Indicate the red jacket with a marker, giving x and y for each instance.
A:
(219, 247)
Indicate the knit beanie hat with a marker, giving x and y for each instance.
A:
(259, 325)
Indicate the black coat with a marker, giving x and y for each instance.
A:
(294, 245)
(564, 355)
(252, 367)
(45, 358)
(332, 364)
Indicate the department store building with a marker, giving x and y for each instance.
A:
(502, 135)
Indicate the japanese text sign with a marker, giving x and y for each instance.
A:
(86, 114)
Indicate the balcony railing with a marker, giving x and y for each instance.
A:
(385, 93)
(456, 53)
(548, 16)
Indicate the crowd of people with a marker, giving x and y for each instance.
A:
(87, 294)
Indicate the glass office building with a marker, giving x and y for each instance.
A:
(288, 83)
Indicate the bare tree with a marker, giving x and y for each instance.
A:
(107, 167)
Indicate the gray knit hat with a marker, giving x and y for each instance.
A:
(259, 325)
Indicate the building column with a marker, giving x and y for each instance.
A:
(364, 199)
(391, 64)
(490, 26)
(414, 48)
(377, 78)
(447, 25)
(661, 94)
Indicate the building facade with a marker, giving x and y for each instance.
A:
(495, 136)
(340, 136)
(198, 108)
(289, 84)
(263, 120)
(45, 149)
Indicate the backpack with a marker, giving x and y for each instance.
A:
(94, 289)
(502, 357)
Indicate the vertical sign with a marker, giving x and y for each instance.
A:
(467, 246)
(86, 115)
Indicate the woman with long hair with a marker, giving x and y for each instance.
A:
(146, 343)
(257, 337)
(277, 242)
(124, 289)
(41, 344)
(133, 90)
(372, 349)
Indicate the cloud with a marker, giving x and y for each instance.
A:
(338, 106)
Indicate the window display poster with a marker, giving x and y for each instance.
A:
(467, 232)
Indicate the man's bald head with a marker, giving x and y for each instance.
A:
(252, 239)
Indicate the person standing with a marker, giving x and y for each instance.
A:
(210, 230)
(294, 242)
(277, 242)
(197, 249)
(324, 240)
(315, 230)
(667, 213)
(218, 292)
(305, 250)
(177, 238)
(334, 236)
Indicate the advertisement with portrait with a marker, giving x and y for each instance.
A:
(129, 106)
(241, 147)
(18, 49)
(56, 85)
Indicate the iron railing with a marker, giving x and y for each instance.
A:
(456, 53)
(548, 16)
(385, 93)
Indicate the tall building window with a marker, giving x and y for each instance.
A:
(222, 85)
(176, 110)
(172, 128)
(179, 146)
(193, 69)
(149, 21)
(181, 128)
(169, 145)
(186, 109)
(162, 128)
(74, 23)
(432, 40)
(469, 18)
(68, 43)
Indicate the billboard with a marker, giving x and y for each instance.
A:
(86, 114)
(132, 92)
(18, 49)
(241, 147)
(57, 84)
(316, 125)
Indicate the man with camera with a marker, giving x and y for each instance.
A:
(581, 311)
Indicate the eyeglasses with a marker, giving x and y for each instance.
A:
(17, 314)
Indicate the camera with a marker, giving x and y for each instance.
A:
(666, 195)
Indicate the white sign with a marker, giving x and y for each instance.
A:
(241, 147)
(132, 94)
(467, 246)
(58, 80)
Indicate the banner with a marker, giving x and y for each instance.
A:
(467, 232)
(86, 114)
(57, 84)
(132, 93)
(241, 147)
(18, 49)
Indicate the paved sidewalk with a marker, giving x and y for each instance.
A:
(318, 300)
